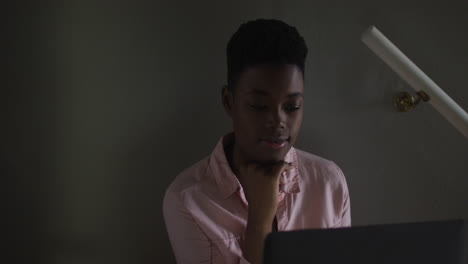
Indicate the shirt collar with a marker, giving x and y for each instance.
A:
(227, 181)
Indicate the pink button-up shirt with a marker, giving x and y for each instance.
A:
(205, 209)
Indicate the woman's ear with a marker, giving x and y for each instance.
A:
(227, 99)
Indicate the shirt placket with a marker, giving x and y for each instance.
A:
(282, 214)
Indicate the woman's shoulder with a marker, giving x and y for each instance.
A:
(316, 169)
(189, 177)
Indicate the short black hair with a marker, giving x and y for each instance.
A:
(264, 41)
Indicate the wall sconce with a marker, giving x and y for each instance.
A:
(404, 101)
(417, 79)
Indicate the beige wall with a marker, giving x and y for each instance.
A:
(107, 102)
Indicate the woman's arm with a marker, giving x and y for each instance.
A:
(261, 187)
(189, 243)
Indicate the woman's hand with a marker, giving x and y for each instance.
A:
(261, 186)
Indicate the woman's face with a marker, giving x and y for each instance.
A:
(266, 110)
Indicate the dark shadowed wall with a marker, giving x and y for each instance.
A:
(107, 101)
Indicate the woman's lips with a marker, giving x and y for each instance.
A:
(274, 144)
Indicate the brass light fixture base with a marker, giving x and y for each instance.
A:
(404, 101)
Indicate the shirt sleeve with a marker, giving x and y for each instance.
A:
(346, 215)
(341, 199)
(189, 243)
(346, 211)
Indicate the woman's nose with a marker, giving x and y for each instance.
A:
(276, 119)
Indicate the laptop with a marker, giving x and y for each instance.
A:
(439, 242)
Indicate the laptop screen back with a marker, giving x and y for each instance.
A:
(440, 242)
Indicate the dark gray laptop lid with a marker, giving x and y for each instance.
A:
(440, 242)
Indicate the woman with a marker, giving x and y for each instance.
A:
(255, 181)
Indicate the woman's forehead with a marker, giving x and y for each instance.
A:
(269, 80)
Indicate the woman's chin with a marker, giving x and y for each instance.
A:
(271, 157)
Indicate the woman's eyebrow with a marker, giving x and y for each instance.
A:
(295, 94)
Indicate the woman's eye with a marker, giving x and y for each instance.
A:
(292, 108)
(258, 107)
